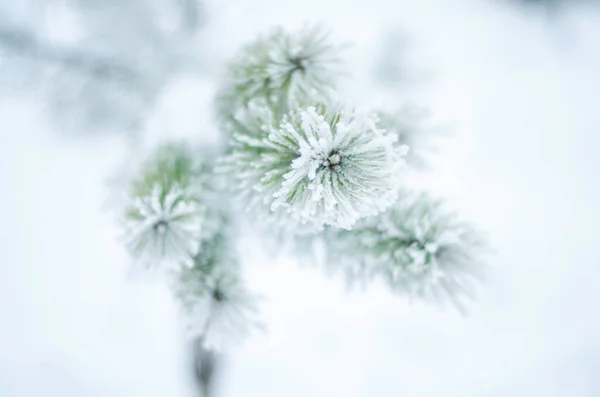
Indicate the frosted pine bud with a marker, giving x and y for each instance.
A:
(415, 247)
(287, 69)
(163, 226)
(218, 307)
(322, 166)
(165, 209)
(344, 166)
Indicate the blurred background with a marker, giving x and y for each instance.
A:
(84, 83)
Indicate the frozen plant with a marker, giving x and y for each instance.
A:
(218, 307)
(165, 207)
(326, 165)
(313, 169)
(163, 225)
(417, 248)
(344, 166)
(285, 69)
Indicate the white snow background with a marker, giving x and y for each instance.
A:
(523, 164)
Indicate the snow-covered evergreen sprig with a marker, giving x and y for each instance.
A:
(163, 226)
(286, 69)
(165, 207)
(318, 170)
(218, 306)
(325, 165)
(416, 248)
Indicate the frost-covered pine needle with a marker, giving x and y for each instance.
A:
(219, 307)
(287, 69)
(165, 207)
(163, 226)
(323, 165)
(416, 248)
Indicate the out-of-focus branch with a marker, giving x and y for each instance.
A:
(191, 17)
(205, 363)
(556, 5)
(25, 44)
